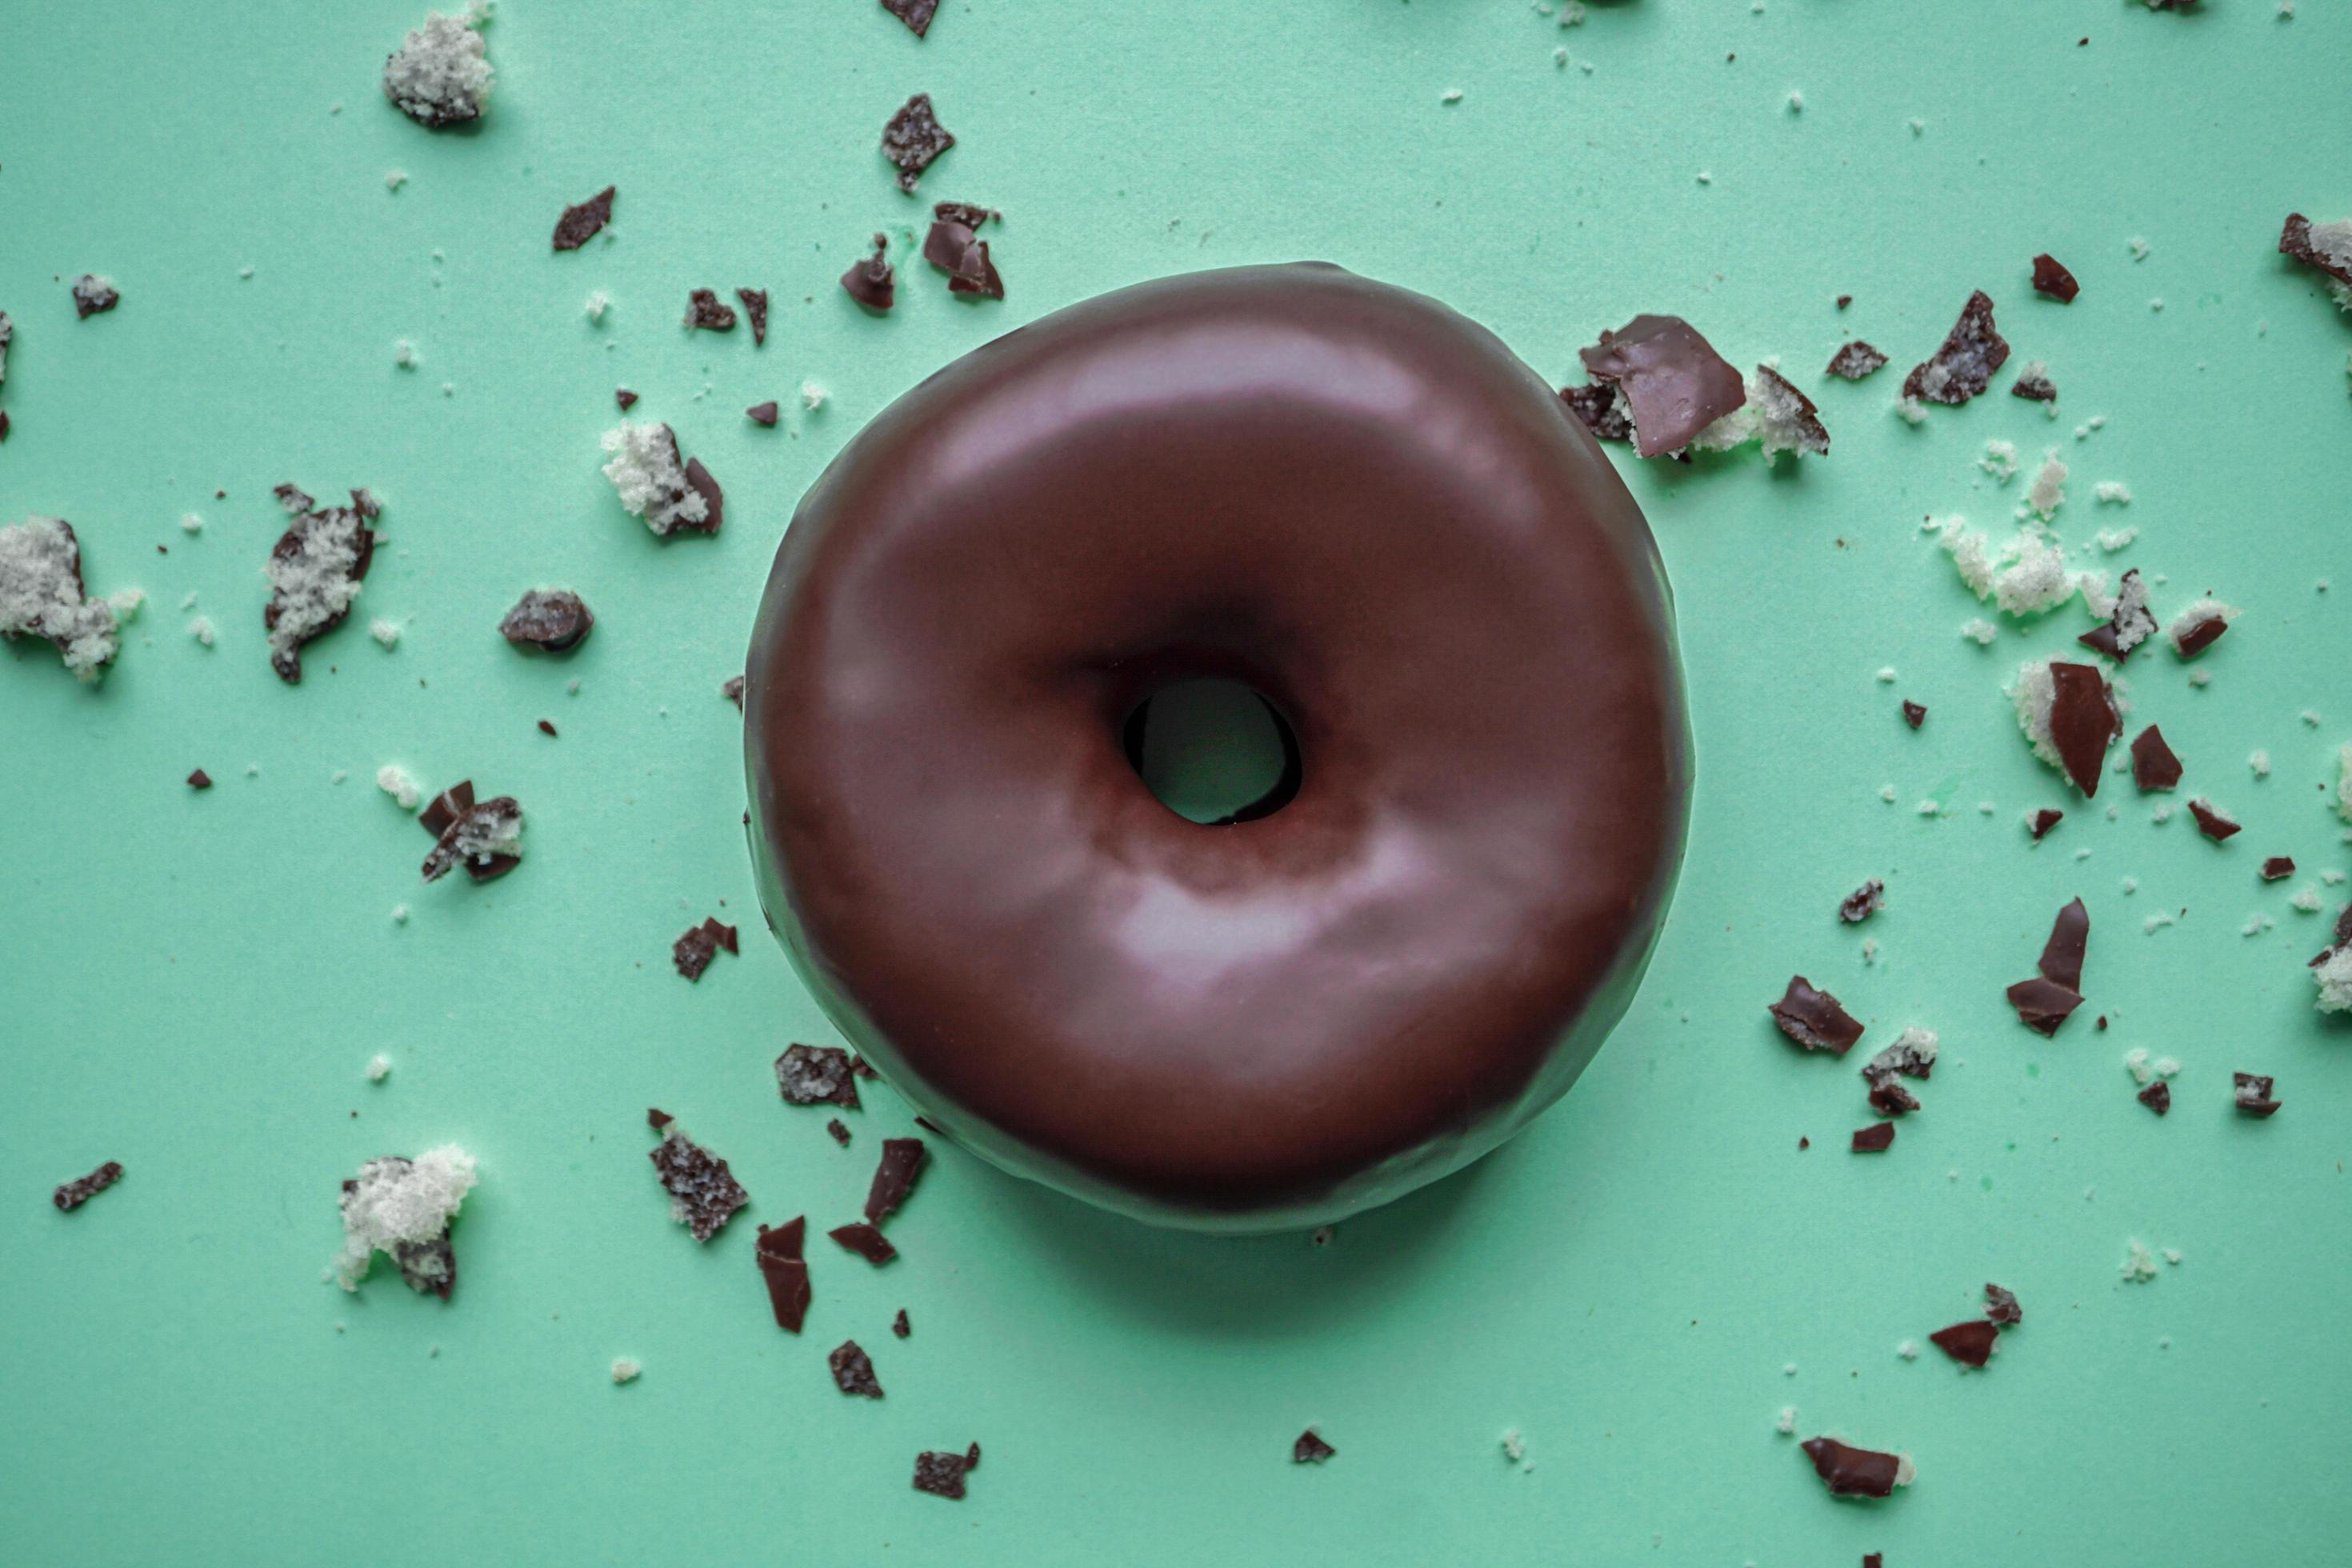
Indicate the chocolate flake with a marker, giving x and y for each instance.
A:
(2332, 256)
(1856, 1472)
(2052, 279)
(2034, 385)
(2277, 867)
(2043, 821)
(71, 1195)
(579, 225)
(547, 728)
(1914, 714)
(894, 1178)
(2211, 822)
(1675, 383)
(1913, 1054)
(1856, 360)
(2194, 638)
(1600, 408)
(1971, 1342)
(785, 1271)
(1876, 1138)
(625, 397)
(2044, 1003)
(1786, 419)
(955, 248)
(693, 951)
(816, 1075)
(485, 836)
(705, 313)
(1963, 366)
(941, 1475)
(853, 1371)
(2154, 766)
(703, 1194)
(900, 1326)
(1889, 1098)
(865, 1241)
(2252, 1092)
(839, 1130)
(731, 689)
(1311, 1448)
(2129, 624)
(657, 1118)
(92, 295)
(314, 572)
(1862, 902)
(916, 14)
(200, 780)
(2083, 723)
(2157, 1097)
(763, 413)
(914, 138)
(553, 620)
(755, 306)
(1814, 1019)
(2002, 1308)
(871, 280)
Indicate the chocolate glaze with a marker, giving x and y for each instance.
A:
(1365, 507)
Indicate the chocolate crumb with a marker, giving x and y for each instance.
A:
(93, 294)
(865, 1241)
(2001, 1307)
(1873, 1560)
(839, 1130)
(2043, 821)
(1856, 360)
(941, 1475)
(731, 689)
(2194, 638)
(2034, 385)
(2052, 279)
(2157, 1097)
(2129, 624)
(1963, 366)
(552, 620)
(785, 1271)
(1913, 1054)
(1969, 1343)
(1889, 1098)
(2044, 1003)
(853, 1371)
(2211, 822)
(1876, 1138)
(485, 836)
(755, 306)
(705, 313)
(200, 780)
(916, 14)
(71, 1195)
(1813, 1019)
(954, 248)
(547, 728)
(872, 281)
(703, 1194)
(1914, 714)
(314, 572)
(816, 1075)
(1311, 1448)
(2253, 1093)
(1803, 1145)
(1844, 300)
(2294, 240)
(625, 397)
(579, 225)
(1862, 902)
(894, 1178)
(900, 1326)
(1855, 1472)
(693, 951)
(657, 1118)
(914, 138)
(1600, 408)
(1675, 383)
(2154, 766)
(2276, 868)
(2083, 723)
(763, 414)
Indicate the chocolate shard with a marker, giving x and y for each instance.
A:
(2253, 1093)
(2129, 624)
(2061, 955)
(693, 951)
(2002, 1308)
(714, 499)
(2199, 635)
(200, 780)
(2277, 868)
(867, 1241)
(953, 248)
(894, 1178)
(2154, 766)
(1856, 360)
(706, 312)
(1674, 381)
(816, 1075)
(1849, 1471)
(900, 1326)
(2329, 249)
(93, 294)
(1912, 713)
(1889, 1098)
(2083, 723)
(1970, 1342)
(1963, 366)
(553, 620)
(853, 1371)
(914, 138)
(703, 1194)
(941, 1475)
(1814, 1019)
(785, 1272)
(71, 1195)
(314, 572)
(579, 225)
(731, 689)
(1311, 1448)
(484, 836)
(871, 280)
(2157, 1097)
(2212, 822)
(2043, 821)
(2052, 279)
(1876, 1138)
(839, 1130)
(1786, 419)
(755, 307)
(2042, 1005)
(625, 397)
(916, 14)
(2034, 385)
(1862, 902)
(763, 414)
(1600, 408)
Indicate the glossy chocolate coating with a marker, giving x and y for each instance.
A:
(1361, 504)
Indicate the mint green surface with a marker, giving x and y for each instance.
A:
(193, 983)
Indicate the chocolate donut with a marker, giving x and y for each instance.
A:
(1362, 506)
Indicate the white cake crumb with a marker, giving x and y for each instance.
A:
(2201, 678)
(2114, 539)
(1704, 178)
(2033, 694)
(1919, 126)
(386, 632)
(379, 1068)
(1451, 95)
(2140, 1263)
(394, 178)
(41, 595)
(646, 471)
(1929, 808)
(396, 1205)
(1999, 461)
(598, 303)
(2114, 493)
(2172, 1255)
(1869, 950)
(2306, 898)
(2130, 885)
(2156, 304)
(1986, 807)
(2154, 923)
(2139, 249)
(200, 628)
(2166, 1066)
(1786, 1423)
(1979, 631)
(2135, 1064)
(1886, 676)
(440, 75)
(403, 355)
(2261, 763)
(2344, 782)
(1571, 13)
(813, 395)
(625, 1371)
(2160, 812)
(2255, 925)
(1910, 410)
(191, 524)
(2049, 491)
(2310, 717)
(2333, 878)
(399, 914)
(1789, 1369)
(2334, 978)
(394, 780)
(1886, 794)
(1515, 1447)
(1908, 1350)
(1796, 103)
(313, 582)
(337, 776)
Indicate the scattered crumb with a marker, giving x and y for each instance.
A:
(2140, 1263)
(625, 1371)
(394, 780)
(1785, 1424)
(379, 1068)
(41, 594)
(813, 395)
(598, 303)
(2114, 493)
(200, 628)
(394, 179)
(386, 632)
(2049, 491)
(403, 1209)
(1999, 461)
(1979, 631)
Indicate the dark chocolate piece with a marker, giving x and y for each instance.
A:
(2253, 1093)
(2083, 723)
(1963, 366)
(731, 689)
(1862, 902)
(693, 951)
(2157, 1097)
(625, 397)
(816, 1075)
(839, 1130)
(2052, 279)
(71, 1195)
(1889, 1098)
(1674, 381)
(900, 1326)
(547, 728)
(1844, 300)
(2002, 1308)
(871, 280)
(2294, 240)
(2154, 766)
(429, 1267)
(2277, 867)
(2043, 821)
(941, 1475)
(953, 248)
(2034, 385)
(1912, 713)
(916, 14)
(481, 836)
(706, 312)
(2211, 822)
(579, 225)
(2070, 939)
(865, 1241)
(200, 780)
(698, 479)
(312, 564)
(553, 620)
(91, 295)
(1311, 1448)
(1854, 1472)
(1814, 1019)
(1856, 360)
(657, 1118)
(2129, 624)
(1873, 1560)
(763, 413)
(2196, 638)
(1876, 1138)
(785, 1271)
(894, 1178)
(972, 215)
(914, 138)
(1600, 408)
(1969, 1343)
(1789, 420)
(853, 1371)
(2042, 1005)
(755, 306)
(3, 424)
(703, 1194)
(1905, 1058)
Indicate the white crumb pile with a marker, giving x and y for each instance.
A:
(397, 1202)
(625, 1371)
(2113, 492)
(644, 468)
(41, 596)
(394, 780)
(2196, 615)
(2026, 575)
(92, 292)
(379, 1068)
(441, 73)
(386, 632)
(1979, 631)
(1785, 1422)
(314, 582)
(200, 628)
(2334, 978)
(2140, 1263)
(1999, 461)
(1911, 411)
(813, 395)
(598, 303)
(2049, 491)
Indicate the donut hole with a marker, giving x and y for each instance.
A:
(1213, 751)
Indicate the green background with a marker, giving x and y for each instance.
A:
(194, 983)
